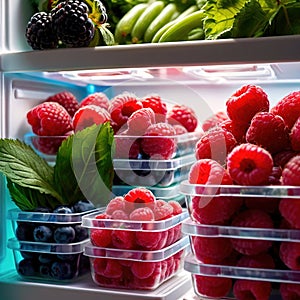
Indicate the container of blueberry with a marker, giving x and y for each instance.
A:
(135, 269)
(51, 262)
(145, 172)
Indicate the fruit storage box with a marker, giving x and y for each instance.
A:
(135, 269)
(50, 262)
(134, 235)
(159, 173)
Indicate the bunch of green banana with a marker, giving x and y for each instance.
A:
(158, 21)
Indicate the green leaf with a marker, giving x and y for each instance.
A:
(20, 164)
(84, 166)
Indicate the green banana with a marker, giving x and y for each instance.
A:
(164, 28)
(127, 22)
(145, 19)
(163, 18)
(181, 29)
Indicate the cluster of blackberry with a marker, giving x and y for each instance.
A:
(71, 23)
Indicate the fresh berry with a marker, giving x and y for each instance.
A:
(249, 164)
(148, 240)
(214, 120)
(122, 106)
(49, 118)
(116, 203)
(139, 197)
(64, 235)
(72, 24)
(142, 214)
(98, 99)
(238, 130)
(48, 145)
(214, 210)
(119, 215)
(291, 172)
(290, 291)
(211, 250)
(123, 239)
(162, 212)
(157, 105)
(252, 218)
(288, 108)
(177, 208)
(82, 206)
(100, 237)
(215, 144)
(246, 102)
(179, 129)
(295, 135)
(275, 176)
(268, 205)
(142, 269)
(259, 261)
(281, 158)
(290, 210)
(208, 171)
(139, 121)
(210, 286)
(252, 289)
(39, 32)
(89, 115)
(158, 142)
(27, 267)
(183, 115)
(268, 131)
(67, 100)
(42, 234)
(107, 267)
(127, 146)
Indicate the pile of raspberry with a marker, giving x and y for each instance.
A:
(251, 144)
(128, 223)
(144, 126)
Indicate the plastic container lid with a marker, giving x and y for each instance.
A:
(137, 255)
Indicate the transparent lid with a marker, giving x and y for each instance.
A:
(137, 255)
(90, 221)
(272, 275)
(195, 229)
(27, 216)
(239, 190)
(51, 248)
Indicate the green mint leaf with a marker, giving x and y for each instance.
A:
(24, 167)
(84, 168)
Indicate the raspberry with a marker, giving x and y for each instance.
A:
(100, 237)
(107, 267)
(157, 105)
(210, 286)
(252, 289)
(281, 158)
(143, 270)
(49, 118)
(139, 121)
(127, 146)
(98, 99)
(237, 129)
(215, 144)
(259, 261)
(291, 172)
(47, 145)
(208, 171)
(117, 203)
(39, 32)
(290, 210)
(119, 215)
(275, 176)
(295, 136)
(252, 218)
(249, 164)
(67, 100)
(289, 253)
(290, 291)
(123, 239)
(183, 115)
(177, 208)
(72, 24)
(288, 108)
(214, 210)
(211, 250)
(150, 282)
(142, 214)
(148, 239)
(139, 197)
(122, 106)
(157, 141)
(163, 212)
(246, 102)
(214, 120)
(89, 115)
(179, 129)
(268, 205)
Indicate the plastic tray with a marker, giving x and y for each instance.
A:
(49, 262)
(160, 173)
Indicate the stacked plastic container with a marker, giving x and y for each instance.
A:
(255, 250)
(135, 255)
(49, 246)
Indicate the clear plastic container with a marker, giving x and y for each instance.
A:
(159, 173)
(49, 262)
(136, 270)
(134, 235)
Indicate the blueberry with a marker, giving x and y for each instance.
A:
(62, 210)
(45, 258)
(62, 270)
(84, 264)
(64, 235)
(81, 233)
(42, 214)
(45, 270)
(42, 234)
(27, 267)
(24, 231)
(82, 206)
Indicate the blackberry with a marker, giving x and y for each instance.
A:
(39, 32)
(72, 24)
